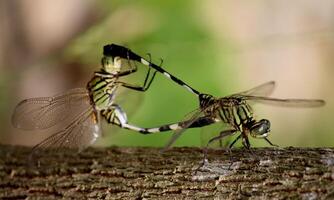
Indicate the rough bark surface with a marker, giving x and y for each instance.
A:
(145, 173)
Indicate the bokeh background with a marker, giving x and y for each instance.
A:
(217, 46)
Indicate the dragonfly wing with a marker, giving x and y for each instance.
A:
(302, 103)
(211, 131)
(129, 100)
(79, 134)
(184, 125)
(45, 112)
(196, 117)
(264, 89)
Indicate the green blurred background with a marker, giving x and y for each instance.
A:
(218, 47)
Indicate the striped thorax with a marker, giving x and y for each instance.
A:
(103, 85)
(235, 111)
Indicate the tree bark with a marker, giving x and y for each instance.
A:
(145, 173)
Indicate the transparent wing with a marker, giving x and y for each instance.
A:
(129, 100)
(264, 89)
(211, 131)
(286, 102)
(45, 112)
(198, 113)
(80, 133)
(186, 123)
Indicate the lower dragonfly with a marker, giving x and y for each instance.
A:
(233, 110)
(236, 111)
(74, 116)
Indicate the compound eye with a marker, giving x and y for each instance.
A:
(117, 63)
(111, 65)
(260, 129)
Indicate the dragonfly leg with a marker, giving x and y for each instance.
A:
(230, 149)
(139, 88)
(245, 142)
(275, 145)
(147, 81)
(234, 141)
(148, 74)
(147, 85)
(219, 137)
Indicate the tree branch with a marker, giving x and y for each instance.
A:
(136, 173)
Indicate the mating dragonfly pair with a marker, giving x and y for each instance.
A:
(75, 116)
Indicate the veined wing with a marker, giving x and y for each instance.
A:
(264, 89)
(45, 112)
(128, 99)
(198, 114)
(80, 133)
(286, 102)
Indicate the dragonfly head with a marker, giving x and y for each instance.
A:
(260, 129)
(115, 50)
(111, 64)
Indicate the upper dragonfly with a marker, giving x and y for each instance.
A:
(233, 110)
(74, 116)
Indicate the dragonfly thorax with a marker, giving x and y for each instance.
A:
(235, 112)
(102, 91)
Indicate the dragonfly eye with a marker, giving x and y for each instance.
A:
(111, 65)
(260, 129)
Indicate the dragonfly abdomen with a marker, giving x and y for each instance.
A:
(200, 122)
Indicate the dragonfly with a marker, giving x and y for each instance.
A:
(234, 110)
(75, 116)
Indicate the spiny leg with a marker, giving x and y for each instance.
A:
(275, 145)
(234, 141)
(155, 72)
(245, 142)
(147, 75)
(148, 70)
(219, 137)
(147, 81)
(136, 87)
(230, 149)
